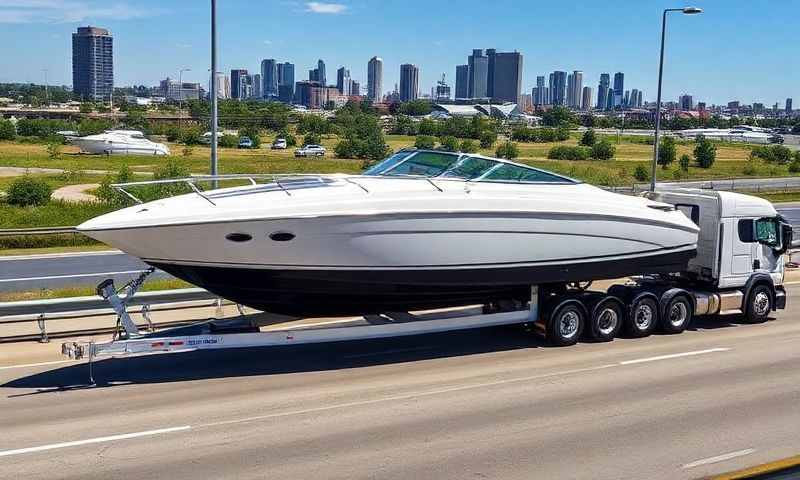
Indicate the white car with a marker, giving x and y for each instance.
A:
(279, 144)
(310, 151)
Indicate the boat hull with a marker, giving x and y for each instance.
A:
(332, 292)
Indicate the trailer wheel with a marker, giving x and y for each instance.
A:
(565, 325)
(643, 317)
(759, 304)
(677, 315)
(606, 320)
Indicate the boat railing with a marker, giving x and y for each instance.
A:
(277, 179)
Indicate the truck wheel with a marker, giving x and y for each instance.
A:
(606, 321)
(677, 315)
(643, 317)
(759, 304)
(565, 325)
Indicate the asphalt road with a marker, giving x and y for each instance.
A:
(490, 403)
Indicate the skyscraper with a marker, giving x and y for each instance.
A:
(558, 88)
(491, 56)
(788, 106)
(375, 79)
(686, 102)
(93, 63)
(504, 76)
(478, 74)
(223, 86)
(258, 85)
(610, 99)
(237, 76)
(619, 88)
(602, 91)
(409, 82)
(462, 81)
(539, 98)
(285, 73)
(321, 73)
(442, 92)
(635, 98)
(355, 88)
(269, 78)
(626, 99)
(575, 89)
(586, 100)
(570, 90)
(343, 81)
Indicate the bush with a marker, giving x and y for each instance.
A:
(54, 151)
(588, 138)
(469, 146)
(7, 130)
(108, 195)
(425, 141)
(667, 151)
(750, 168)
(705, 152)
(229, 141)
(89, 126)
(28, 191)
(603, 150)
(191, 136)
(562, 134)
(772, 154)
(312, 138)
(428, 127)
(487, 138)
(449, 143)
(794, 167)
(507, 150)
(404, 125)
(566, 152)
(641, 173)
(684, 162)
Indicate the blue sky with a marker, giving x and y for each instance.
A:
(738, 49)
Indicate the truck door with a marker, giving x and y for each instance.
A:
(743, 248)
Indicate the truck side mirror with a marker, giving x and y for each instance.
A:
(786, 238)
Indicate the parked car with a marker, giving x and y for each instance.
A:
(310, 151)
(279, 144)
(245, 142)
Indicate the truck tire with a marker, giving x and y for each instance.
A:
(565, 325)
(677, 315)
(643, 316)
(759, 304)
(606, 320)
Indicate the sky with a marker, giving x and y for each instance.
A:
(736, 50)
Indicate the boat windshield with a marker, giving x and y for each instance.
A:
(460, 166)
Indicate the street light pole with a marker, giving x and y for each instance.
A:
(214, 119)
(686, 11)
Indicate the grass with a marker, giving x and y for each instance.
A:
(54, 214)
(777, 197)
(60, 249)
(67, 292)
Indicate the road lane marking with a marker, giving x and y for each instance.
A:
(791, 283)
(89, 441)
(76, 275)
(50, 256)
(41, 364)
(719, 458)
(674, 355)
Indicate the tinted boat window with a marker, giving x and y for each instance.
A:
(469, 168)
(427, 164)
(388, 164)
(514, 173)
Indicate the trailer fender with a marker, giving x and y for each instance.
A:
(758, 279)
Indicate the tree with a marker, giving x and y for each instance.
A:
(428, 127)
(7, 130)
(667, 152)
(425, 141)
(253, 134)
(684, 162)
(54, 151)
(507, 150)
(640, 173)
(291, 140)
(559, 116)
(588, 138)
(28, 191)
(416, 108)
(603, 150)
(449, 143)
(312, 138)
(229, 141)
(469, 146)
(487, 138)
(404, 125)
(705, 152)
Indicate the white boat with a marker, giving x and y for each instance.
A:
(422, 229)
(119, 142)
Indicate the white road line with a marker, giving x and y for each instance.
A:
(89, 441)
(719, 458)
(41, 364)
(77, 275)
(791, 283)
(50, 256)
(674, 355)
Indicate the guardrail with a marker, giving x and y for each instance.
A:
(45, 311)
(13, 232)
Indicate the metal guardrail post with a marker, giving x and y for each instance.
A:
(42, 328)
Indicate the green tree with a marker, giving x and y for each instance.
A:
(28, 191)
(559, 116)
(112, 197)
(603, 150)
(7, 130)
(469, 146)
(416, 108)
(404, 125)
(568, 152)
(253, 134)
(449, 143)
(588, 138)
(93, 126)
(667, 151)
(684, 162)
(229, 141)
(705, 152)
(425, 141)
(291, 140)
(428, 127)
(507, 150)
(487, 138)
(54, 151)
(640, 173)
(312, 138)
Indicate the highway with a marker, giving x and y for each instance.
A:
(490, 403)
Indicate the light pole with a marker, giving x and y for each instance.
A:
(46, 88)
(180, 94)
(214, 90)
(685, 11)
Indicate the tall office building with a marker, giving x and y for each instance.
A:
(236, 83)
(321, 73)
(462, 81)
(602, 91)
(375, 79)
(93, 63)
(686, 102)
(610, 99)
(491, 56)
(269, 78)
(442, 92)
(478, 74)
(504, 76)
(574, 89)
(355, 88)
(570, 90)
(409, 82)
(285, 74)
(636, 98)
(539, 98)
(343, 81)
(586, 100)
(558, 88)
(626, 99)
(788, 106)
(223, 86)
(619, 88)
(258, 86)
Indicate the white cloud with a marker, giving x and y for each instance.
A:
(330, 8)
(267, 42)
(67, 11)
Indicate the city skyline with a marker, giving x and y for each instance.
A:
(581, 44)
